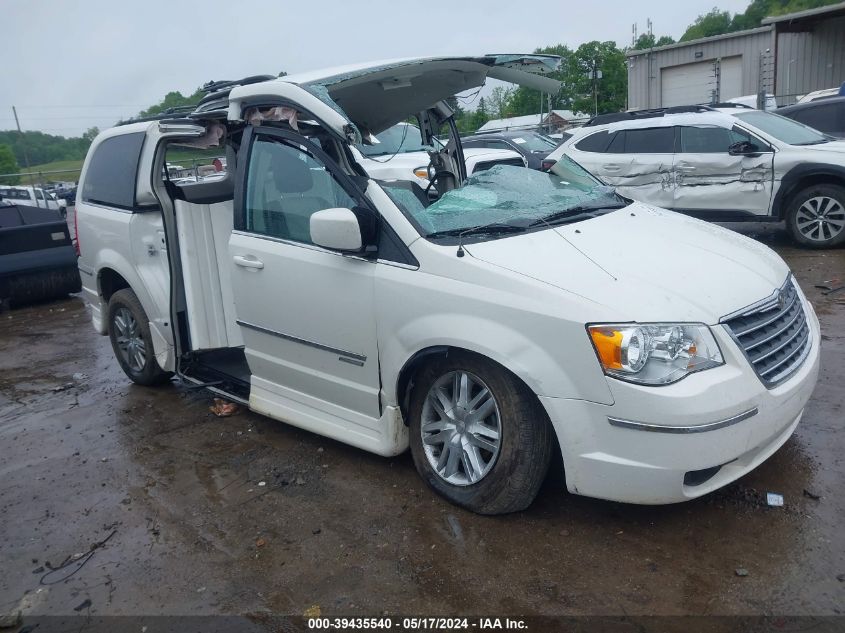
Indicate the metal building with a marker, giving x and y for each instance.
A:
(788, 56)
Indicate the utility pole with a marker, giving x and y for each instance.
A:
(26, 157)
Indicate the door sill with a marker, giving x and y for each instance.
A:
(224, 371)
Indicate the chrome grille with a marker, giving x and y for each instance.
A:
(774, 334)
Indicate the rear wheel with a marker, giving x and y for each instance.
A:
(129, 331)
(478, 435)
(816, 216)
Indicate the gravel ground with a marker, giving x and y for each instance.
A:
(199, 515)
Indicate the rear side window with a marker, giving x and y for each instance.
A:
(594, 143)
(658, 140)
(113, 171)
(705, 140)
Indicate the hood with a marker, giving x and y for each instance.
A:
(377, 95)
(837, 147)
(645, 264)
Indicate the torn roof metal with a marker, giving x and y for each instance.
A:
(376, 95)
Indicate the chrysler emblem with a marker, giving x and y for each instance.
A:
(781, 300)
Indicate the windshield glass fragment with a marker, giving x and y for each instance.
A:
(510, 195)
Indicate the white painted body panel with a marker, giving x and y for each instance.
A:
(713, 181)
(326, 335)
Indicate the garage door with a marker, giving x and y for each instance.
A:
(731, 78)
(694, 83)
(688, 84)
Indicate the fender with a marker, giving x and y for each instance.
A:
(794, 179)
(544, 373)
(162, 336)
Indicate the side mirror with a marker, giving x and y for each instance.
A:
(337, 229)
(743, 148)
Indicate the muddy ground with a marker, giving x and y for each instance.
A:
(244, 515)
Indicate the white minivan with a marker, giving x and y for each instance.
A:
(519, 314)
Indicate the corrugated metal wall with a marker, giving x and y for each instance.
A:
(646, 93)
(819, 59)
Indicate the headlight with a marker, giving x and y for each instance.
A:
(654, 353)
(422, 172)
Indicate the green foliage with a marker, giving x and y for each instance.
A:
(173, 99)
(719, 22)
(647, 40)
(43, 148)
(713, 23)
(8, 165)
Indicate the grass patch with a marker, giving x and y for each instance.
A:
(41, 175)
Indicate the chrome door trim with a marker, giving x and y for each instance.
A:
(348, 357)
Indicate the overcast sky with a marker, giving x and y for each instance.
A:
(71, 64)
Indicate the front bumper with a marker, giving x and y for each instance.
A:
(611, 460)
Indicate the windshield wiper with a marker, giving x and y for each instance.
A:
(575, 213)
(483, 229)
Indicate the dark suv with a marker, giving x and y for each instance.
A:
(825, 115)
(532, 145)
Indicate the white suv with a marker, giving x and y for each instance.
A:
(721, 164)
(520, 314)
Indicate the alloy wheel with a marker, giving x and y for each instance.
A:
(461, 428)
(820, 218)
(129, 340)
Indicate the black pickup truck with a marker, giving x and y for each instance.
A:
(37, 257)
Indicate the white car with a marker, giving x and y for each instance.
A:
(522, 313)
(750, 101)
(33, 196)
(399, 154)
(819, 94)
(727, 164)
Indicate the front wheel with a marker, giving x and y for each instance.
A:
(479, 437)
(129, 331)
(816, 216)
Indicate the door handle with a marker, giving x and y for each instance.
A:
(248, 262)
(611, 167)
(682, 167)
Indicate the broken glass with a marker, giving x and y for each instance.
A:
(505, 194)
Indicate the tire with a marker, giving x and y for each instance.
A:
(824, 203)
(494, 481)
(129, 332)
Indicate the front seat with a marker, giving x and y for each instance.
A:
(294, 179)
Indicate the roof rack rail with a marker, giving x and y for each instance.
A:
(614, 117)
(216, 91)
(730, 104)
(170, 113)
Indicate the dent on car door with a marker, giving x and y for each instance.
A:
(306, 314)
(709, 177)
(638, 162)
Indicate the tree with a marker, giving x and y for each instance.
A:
(498, 101)
(611, 91)
(713, 23)
(174, 99)
(480, 116)
(647, 40)
(8, 165)
(91, 134)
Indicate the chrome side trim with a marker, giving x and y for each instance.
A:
(349, 356)
(698, 428)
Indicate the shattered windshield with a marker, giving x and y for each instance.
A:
(507, 199)
(399, 139)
